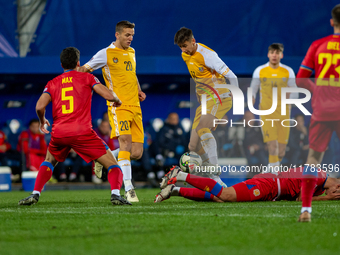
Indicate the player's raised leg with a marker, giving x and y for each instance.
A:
(45, 173)
(205, 188)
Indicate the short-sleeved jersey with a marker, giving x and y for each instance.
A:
(323, 57)
(71, 94)
(266, 78)
(206, 68)
(291, 181)
(119, 72)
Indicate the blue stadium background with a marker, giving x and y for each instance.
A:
(240, 31)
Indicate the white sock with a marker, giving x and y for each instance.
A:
(115, 152)
(205, 157)
(210, 147)
(36, 192)
(125, 165)
(308, 209)
(274, 168)
(175, 191)
(116, 192)
(182, 176)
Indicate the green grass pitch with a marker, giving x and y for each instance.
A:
(85, 222)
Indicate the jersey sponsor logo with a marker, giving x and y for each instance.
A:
(128, 65)
(124, 126)
(115, 60)
(256, 192)
(66, 80)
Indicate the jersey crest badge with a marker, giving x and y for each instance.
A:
(284, 79)
(115, 60)
(201, 69)
(264, 79)
(256, 192)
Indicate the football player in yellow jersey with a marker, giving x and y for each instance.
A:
(207, 70)
(266, 77)
(118, 64)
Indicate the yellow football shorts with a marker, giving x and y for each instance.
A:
(127, 120)
(218, 110)
(274, 130)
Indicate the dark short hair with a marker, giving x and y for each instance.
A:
(33, 121)
(276, 46)
(183, 35)
(69, 57)
(336, 15)
(124, 24)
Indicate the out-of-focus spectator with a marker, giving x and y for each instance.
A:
(298, 144)
(105, 116)
(32, 143)
(253, 145)
(171, 140)
(104, 132)
(4, 147)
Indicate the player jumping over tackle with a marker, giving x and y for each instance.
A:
(262, 187)
(208, 71)
(71, 94)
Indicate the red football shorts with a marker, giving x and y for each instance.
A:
(89, 147)
(320, 133)
(262, 187)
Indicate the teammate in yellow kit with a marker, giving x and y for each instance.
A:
(207, 70)
(266, 77)
(118, 64)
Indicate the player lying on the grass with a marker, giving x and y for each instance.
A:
(71, 94)
(262, 187)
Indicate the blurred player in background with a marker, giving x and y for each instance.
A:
(118, 64)
(262, 187)
(71, 94)
(323, 58)
(207, 70)
(271, 75)
(32, 143)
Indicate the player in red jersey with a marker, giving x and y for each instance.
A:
(262, 187)
(71, 94)
(323, 57)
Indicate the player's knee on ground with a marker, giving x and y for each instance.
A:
(228, 195)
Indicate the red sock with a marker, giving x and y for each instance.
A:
(195, 194)
(205, 184)
(308, 187)
(115, 177)
(44, 174)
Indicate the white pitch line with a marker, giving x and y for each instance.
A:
(209, 214)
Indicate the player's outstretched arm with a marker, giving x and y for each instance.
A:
(83, 69)
(104, 92)
(40, 108)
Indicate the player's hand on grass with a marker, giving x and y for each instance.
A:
(43, 126)
(333, 195)
(141, 96)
